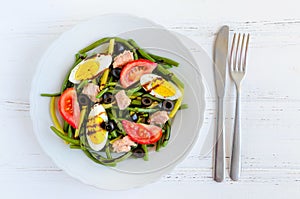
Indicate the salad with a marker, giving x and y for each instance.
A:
(117, 101)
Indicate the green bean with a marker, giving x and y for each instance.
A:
(137, 94)
(133, 90)
(107, 150)
(126, 43)
(112, 161)
(121, 114)
(145, 55)
(167, 66)
(114, 133)
(101, 93)
(79, 55)
(164, 60)
(165, 143)
(110, 81)
(172, 76)
(106, 162)
(94, 45)
(145, 115)
(89, 155)
(118, 159)
(51, 94)
(98, 156)
(183, 106)
(111, 84)
(168, 131)
(81, 85)
(146, 156)
(152, 97)
(122, 157)
(63, 136)
(135, 55)
(70, 131)
(142, 110)
(141, 51)
(113, 91)
(158, 144)
(65, 126)
(75, 146)
(136, 102)
(112, 116)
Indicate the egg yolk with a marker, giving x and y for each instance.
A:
(98, 137)
(87, 70)
(95, 132)
(163, 88)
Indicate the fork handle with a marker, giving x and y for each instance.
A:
(219, 158)
(235, 166)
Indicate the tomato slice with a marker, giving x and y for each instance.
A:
(69, 108)
(142, 133)
(133, 71)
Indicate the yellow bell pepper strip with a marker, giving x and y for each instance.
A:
(177, 104)
(53, 114)
(82, 116)
(106, 72)
(111, 46)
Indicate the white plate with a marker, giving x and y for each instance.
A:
(132, 173)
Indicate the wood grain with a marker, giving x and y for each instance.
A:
(270, 100)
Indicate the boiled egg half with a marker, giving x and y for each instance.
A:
(159, 87)
(96, 135)
(90, 67)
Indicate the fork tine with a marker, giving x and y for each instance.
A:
(240, 68)
(236, 53)
(246, 50)
(231, 52)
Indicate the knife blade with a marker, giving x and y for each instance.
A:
(220, 61)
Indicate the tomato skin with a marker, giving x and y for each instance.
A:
(69, 108)
(142, 133)
(133, 71)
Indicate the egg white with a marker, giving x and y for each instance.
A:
(96, 110)
(146, 82)
(102, 59)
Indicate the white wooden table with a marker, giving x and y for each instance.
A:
(270, 100)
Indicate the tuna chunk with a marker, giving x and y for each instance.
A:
(123, 59)
(123, 145)
(123, 100)
(159, 118)
(91, 90)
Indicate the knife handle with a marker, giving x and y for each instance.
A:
(219, 158)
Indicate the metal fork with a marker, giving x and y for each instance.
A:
(237, 64)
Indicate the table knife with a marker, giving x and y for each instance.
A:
(220, 62)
